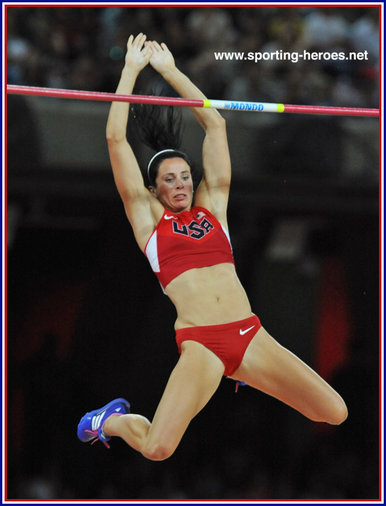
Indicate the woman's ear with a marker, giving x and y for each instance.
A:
(152, 191)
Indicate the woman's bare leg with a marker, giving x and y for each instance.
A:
(192, 383)
(273, 369)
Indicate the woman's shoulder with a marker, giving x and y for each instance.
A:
(200, 211)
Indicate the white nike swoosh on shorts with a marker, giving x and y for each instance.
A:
(242, 332)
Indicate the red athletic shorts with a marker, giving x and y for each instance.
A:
(228, 342)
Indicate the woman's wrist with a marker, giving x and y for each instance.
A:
(129, 71)
(170, 74)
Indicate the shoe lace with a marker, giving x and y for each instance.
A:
(96, 437)
(239, 383)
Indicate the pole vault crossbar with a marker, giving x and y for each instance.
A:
(229, 105)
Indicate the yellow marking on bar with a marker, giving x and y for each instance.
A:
(206, 102)
(280, 107)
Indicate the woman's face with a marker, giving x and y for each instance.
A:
(174, 185)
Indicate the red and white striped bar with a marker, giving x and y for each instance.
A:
(230, 105)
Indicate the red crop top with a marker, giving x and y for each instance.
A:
(187, 240)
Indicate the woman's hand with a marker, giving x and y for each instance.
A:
(138, 52)
(161, 58)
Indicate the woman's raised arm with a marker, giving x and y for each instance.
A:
(127, 174)
(214, 190)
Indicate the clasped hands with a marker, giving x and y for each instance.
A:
(140, 52)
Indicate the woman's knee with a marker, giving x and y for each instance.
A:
(334, 412)
(339, 414)
(157, 451)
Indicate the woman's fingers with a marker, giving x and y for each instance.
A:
(139, 40)
(130, 41)
(136, 42)
(156, 46)
(147, 52)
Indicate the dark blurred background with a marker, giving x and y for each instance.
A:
(87, 320)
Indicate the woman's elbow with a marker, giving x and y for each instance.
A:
(114, 136)
(215, 123)
(218, 121)
(112, 139)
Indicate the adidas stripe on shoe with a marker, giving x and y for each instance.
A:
(90, 427)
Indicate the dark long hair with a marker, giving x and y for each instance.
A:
(159, 128)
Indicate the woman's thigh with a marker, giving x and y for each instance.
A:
(191, 384)
(273, 369)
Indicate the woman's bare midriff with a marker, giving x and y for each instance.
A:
(208, 296)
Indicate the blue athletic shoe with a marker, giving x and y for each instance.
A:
(90, 427)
